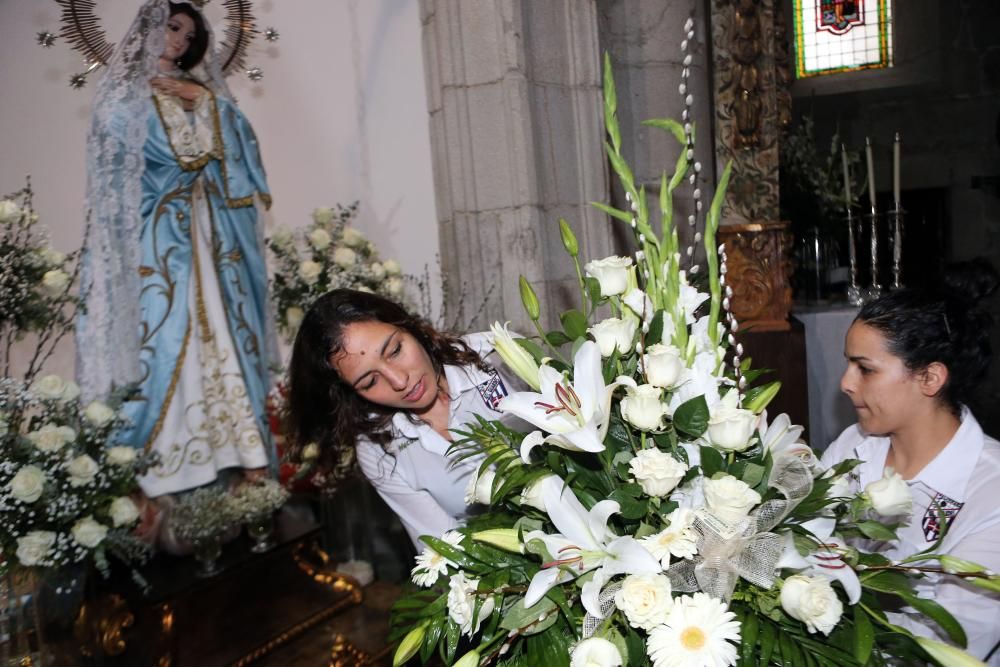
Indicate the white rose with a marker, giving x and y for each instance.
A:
(813, 601)
(478, 488)
(55, 281)
(611, 272)
(729, 498)
(394, 286)
(82, 470)
(52, 257)
(643, 408)
(310, 271)
(123, 511)
(730, 427)
(98, 413)
(378, 271)
(9, 211)
(294, 316)
(663, 365)
(345, 258)
(462, 603)
(595, 652)
(645, 599)
(352, 238)
(120, 456)
(89, 533)
(323, 216)
(319, 238)
(34, 547)
(890, 496)
(614, 334)
(54, 387)
(657, 472)
(27, 484)
(52, 438)
(392, 267)
(282, 236)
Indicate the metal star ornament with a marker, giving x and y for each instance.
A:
(46, 39)
(271, 35)
(255, 74)
(78, 81)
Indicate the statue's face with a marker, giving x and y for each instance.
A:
(180, 33)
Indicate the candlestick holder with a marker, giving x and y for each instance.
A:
(854, 291)
(897, 216)
(875, 289)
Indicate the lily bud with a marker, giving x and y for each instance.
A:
(410, 645)
(529, 299)
(757, 404)
(568, 238)
(953, 565)
(516, 357)
(501, 538)
(470, 659)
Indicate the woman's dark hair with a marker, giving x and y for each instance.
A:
(322, 407)
(942, 324)
(199, 45)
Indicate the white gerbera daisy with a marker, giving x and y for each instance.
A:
(431, 565)
(678, 540)
(699, 632)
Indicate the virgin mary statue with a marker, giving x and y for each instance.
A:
(174, 278)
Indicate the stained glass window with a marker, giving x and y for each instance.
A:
(842, 35)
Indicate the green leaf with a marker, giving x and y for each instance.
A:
(655, 333)
(519, 616)
(753, 473)
(613, 212)
(767, 636)
(691, 417)
(574, 323)
(670, 125)
(631, 507)
(864, 635)
(711, 461)
(557, 338)
(532, 348)
(876, 531)
(593, 290)
(939, 615)
(749, 633)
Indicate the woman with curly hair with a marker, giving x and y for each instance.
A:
(370, 380)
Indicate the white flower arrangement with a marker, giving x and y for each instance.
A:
(253, 501)
(205, 513)
(327, 254)
(65, 497)
(665, 523)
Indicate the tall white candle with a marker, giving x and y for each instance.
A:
(895, 172)
(871, 171)
(847, 176)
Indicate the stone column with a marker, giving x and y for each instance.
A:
(514, 97)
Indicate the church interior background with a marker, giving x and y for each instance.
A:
(465, 130)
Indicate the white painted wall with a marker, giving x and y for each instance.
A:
(341, 115)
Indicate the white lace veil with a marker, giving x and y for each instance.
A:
(107, 336)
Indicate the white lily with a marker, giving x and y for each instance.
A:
(826, 560)
(781, 438)
(576, 413)
(584, 543)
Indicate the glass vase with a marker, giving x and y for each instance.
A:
(207, 551)
(261, 529)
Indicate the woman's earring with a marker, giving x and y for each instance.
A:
(178, 63)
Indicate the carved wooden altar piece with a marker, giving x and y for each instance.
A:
(759, 271)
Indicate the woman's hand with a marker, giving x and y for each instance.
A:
(187, 91)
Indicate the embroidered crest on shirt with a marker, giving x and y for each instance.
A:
(492, 391)
(941, 506)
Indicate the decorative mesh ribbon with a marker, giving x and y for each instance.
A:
(728, 551)
(607, 602)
